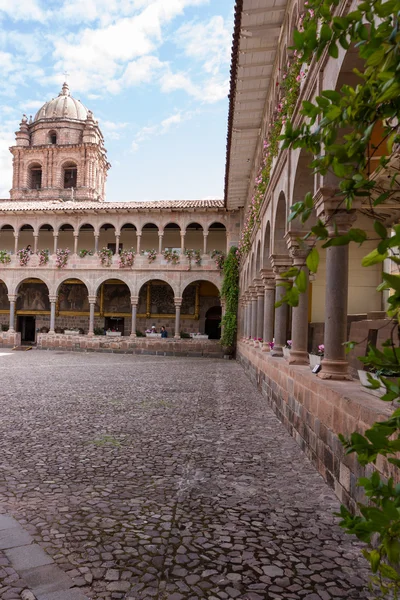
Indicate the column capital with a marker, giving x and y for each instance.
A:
(134, 300)
(205, 233)
(329, 207)
(53, 298)
(92, 299)
(12, 297)
(160, 233)
(298, 248)
(280, 261)
(55, 234)
(252, 292)
(16, 234)
(178, 302)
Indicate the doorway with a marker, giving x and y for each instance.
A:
(26, 325)
(213, 323)
(114, 324)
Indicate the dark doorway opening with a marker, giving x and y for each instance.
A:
(113, 247)
(213, 323)
(114, 324)
(27, 327)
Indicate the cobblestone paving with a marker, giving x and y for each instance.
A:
(167, 478)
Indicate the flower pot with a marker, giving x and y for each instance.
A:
(378, 392)
(113, 333)
(315, 359)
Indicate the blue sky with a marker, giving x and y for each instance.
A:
(154, 72)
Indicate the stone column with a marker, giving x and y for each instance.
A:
(16, 235)
(281, 313)
(92, 303)
(205, 236)
(96, 243)
(299, 351)
(182, 242)
(138, 238)
(334, 364)
(134, 303)
(250, 315)
(53, 300)
(260, 311)
(269, 311)
(76, 239)
(117, 238)
(160, 241)
(12, 298)
(35, 243)
(253, 312)
(55, 236)
(178, 304)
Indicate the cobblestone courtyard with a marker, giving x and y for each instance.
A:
(167, 478)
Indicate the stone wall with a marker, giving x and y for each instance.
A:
(165, 347)
(315, 411)
(9, 340)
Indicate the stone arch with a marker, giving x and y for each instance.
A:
(65, 278)
(128, 235)
(7, 239)
(164, 277)
(171, 235)
(69, 174)
(258, 260)
(217, 236)
(266, 261)
(209, 278)
(280, 221)
(52, 137)
(201, 299)
(123, 278)
(34, 174)
(63, 224)
(149, 233)
(45, 233)
(41, 279)
(194, 236)
(104, 224)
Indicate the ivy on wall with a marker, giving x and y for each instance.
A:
(230, 293)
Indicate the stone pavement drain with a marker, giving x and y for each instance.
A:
(34, 573)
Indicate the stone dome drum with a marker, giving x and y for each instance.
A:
(63, 107)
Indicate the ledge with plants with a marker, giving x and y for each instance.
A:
(193, 255)
(44, 256)
(171, 256)
(151, 255)
(62, 257)
(105, 255)
(24, 256)
(5, 257)
(126, 258)
(218, 257)
(82, 253)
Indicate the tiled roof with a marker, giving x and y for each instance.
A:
(59, 205)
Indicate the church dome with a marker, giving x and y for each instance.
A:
(63, 107)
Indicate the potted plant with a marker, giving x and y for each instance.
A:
(84, 252)
(287, 348)
(151, 254)
(5, 257)
(219, 258)
(126, 258)
(24, 256)
(105, 255)
(43, 256)
(171, 256)
(381, 375)
(316, 357)
(62, 258)
(98, 331)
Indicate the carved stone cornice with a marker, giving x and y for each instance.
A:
(331, 210)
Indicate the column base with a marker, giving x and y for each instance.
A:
(266, 347)
(298, 357)
(51, 332)
(335, 369)
(11, 330)
(133, 335)
(177, 337)
(277, 351)
(90, 334)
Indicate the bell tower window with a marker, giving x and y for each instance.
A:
(53, 137)
(35, 177)
(70, 176)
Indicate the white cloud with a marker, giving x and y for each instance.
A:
(96, 57)
(162, 128)
(209, 42)
(210, 90)
(22, 10)
(142, 70)
(112, 130)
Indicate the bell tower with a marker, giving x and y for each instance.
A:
(59, 154)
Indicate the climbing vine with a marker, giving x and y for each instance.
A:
(374, 102)
(230, 294)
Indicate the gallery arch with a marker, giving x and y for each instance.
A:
(32, 308)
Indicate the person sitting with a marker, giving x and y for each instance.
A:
(153, 329)
(164, 333)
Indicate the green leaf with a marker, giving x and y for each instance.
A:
(374, 558)
(333, 50)
(301, 282)
(312, 260)
(392, 280)
(380, 229)
(373, 258)
(326, 33)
